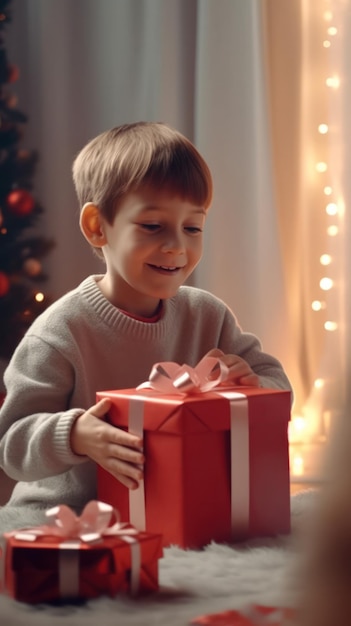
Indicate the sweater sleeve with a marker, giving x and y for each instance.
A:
(234, 340)
(34, 430)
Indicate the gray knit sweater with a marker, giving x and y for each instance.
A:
(82, 344)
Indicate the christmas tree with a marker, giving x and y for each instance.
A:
(21, 272)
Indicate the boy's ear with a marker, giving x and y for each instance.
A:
(91, 225)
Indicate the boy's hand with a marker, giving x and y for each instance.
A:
(240, 372)
(119, 452)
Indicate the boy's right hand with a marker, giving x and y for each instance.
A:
(116, 450)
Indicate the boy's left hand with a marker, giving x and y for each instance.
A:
(240, 372)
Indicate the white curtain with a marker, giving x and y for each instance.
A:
(243, 263)
(245, 79)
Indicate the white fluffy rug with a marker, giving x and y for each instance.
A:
(192, 583)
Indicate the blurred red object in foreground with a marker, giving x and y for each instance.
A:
(253, 615)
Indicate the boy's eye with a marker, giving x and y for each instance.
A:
(193, 229)
(150, 227)
(153, 227)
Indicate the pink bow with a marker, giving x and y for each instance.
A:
(91, 526)
(169, 377)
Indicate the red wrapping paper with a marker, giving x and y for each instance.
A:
(187, 476)
(31, 569)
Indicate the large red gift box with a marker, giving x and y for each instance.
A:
(50, 568)
(216, 468)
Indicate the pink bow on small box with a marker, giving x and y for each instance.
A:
(92, 525)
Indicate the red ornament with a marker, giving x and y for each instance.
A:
(12, 73)
(12, 101)
(23, 155)
(20, 202)
(32, 267)
(4, 284)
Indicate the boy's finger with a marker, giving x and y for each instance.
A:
(127, 481)
(128, 471)
(125, 438)
(251, 380)
(215, 352)
(100, 408)
(126, 453)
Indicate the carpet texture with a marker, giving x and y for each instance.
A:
(192, 583)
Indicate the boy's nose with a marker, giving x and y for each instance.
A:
(172, 243)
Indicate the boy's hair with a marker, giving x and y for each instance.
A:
(124, 158)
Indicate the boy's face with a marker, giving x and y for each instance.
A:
(152, 246)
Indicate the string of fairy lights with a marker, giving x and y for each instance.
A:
(334, 208)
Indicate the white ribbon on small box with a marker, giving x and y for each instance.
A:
(172, 379)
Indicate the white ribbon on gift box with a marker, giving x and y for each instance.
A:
(171, 378)
(239, 461)
(69, 567)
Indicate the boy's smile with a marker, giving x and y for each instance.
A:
(162, 268)
(152, 246)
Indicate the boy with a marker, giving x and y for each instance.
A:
(145, 192)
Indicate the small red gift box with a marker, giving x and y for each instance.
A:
(41, 567)
(217, 463)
